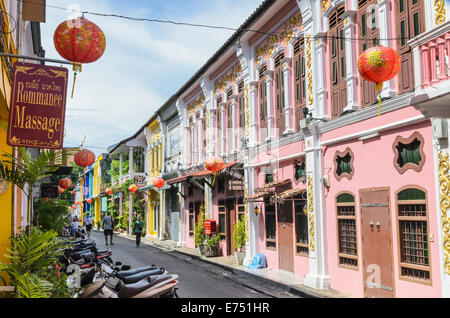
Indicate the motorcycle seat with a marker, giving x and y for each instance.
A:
(136, 270)
(127, 291)
(140, 276)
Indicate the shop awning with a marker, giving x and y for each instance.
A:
(272, 185)
(198, 174)
(258, 195)
(288, 194)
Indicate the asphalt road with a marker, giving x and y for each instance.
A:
(197, 279)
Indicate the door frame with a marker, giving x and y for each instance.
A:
(230, 222)
(388, 189)
(288, 205)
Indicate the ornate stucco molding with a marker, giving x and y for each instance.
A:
(311, 214)
(444, 185)
(309, 69)
(439, 7)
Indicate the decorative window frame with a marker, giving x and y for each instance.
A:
(299, 163)
(406, 141)
(354, 217)
(341, 154)
(427, 219)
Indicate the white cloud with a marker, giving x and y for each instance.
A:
(143, 65)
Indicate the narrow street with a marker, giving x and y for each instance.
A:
(197, 279)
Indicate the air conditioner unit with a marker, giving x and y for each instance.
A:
(440, 128)
(303, 124)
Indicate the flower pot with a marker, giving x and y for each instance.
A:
(211, 251)
(239, 257)
(201, 249)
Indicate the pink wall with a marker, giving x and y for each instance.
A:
(370, 158)
(285, 171)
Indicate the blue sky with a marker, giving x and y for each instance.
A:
(144, 62)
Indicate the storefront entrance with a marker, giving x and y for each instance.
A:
(376, 243)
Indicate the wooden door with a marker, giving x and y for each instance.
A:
(285, 229)
(231, 221)
(369, 35)
(376, 243)
(300, 81)
(279, 95)
(262, 89)
(410, 22)
(338, 70)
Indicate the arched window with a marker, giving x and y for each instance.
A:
(412, 215)
(279, 94)
(369, 34)
(337, 62)
(410, 22)
(300, 80)
(346, 228)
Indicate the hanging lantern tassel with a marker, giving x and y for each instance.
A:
(214, 179)
(76, 68)
(378, 87)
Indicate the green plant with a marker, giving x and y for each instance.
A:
(51, 214)
(199, 233)
(212, 240)
(239, 235)
(31, 267)
(24, 171)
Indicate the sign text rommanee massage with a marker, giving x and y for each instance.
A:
(37, 108)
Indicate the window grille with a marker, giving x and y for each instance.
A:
(346, 223)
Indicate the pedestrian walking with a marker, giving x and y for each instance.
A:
(75, 226)
(108, 228)
(88, 223)
(138, 227)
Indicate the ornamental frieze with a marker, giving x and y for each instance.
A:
(286, 34)
(196, 104)
(229, 78)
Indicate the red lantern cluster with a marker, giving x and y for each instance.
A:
(89, 200)
(79, 40)
(214, 163)
(158, 182)
(108, 191)
(379, 64)
(65, 183)
(84, 158)
(77, 202)
(132, 188)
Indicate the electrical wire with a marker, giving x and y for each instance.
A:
(208, 25)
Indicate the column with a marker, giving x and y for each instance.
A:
(233, 125)
(288, 111)
(270, 113)
(321, 91)
(254, 114)
(318, 276)
(130, 199)
(223, 149)
(351, 59)
(120, 165)
(385, 34)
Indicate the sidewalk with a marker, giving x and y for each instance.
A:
(282, 279)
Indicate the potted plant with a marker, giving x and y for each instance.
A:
(199, 234)
(239, 236)
(211, 247)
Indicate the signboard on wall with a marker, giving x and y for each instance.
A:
(38, 106)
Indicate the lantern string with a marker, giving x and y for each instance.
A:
(207, 25)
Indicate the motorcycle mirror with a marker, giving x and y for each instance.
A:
(125, 267)
(118, 263)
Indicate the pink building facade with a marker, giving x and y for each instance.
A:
(343, 192)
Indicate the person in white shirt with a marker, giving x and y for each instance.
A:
(75, 225)
(88, 223)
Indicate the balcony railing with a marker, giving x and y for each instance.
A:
(432, 49)
(137, 177)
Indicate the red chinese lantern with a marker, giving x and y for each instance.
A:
(77, 202)
(108, 191)
(379, 64)
(158, 182)
(84, 158)
(65, 183)
(60, 190)
(89, 200)
(132, 188)
(74, 206)
(214, 164)
(80, 41)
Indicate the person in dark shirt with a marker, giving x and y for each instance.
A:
(108, 228)
(138, 227)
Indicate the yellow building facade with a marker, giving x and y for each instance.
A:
(9, 211)
(97, 189)
(154, 167)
